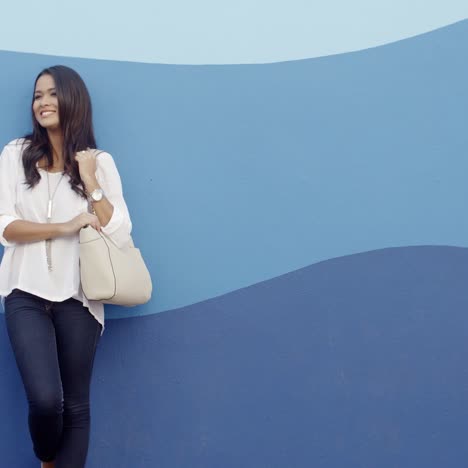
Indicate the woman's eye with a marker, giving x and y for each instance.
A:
(53, 93)
(36, 97)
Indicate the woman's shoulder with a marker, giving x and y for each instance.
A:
(106, 168)
(100, 153)
(17, 143)
(103, 158)
(14, 149)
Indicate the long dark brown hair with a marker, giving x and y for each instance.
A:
(76, 123)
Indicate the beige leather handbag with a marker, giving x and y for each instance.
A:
(110, 274)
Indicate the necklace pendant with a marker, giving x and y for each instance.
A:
(48, 242)
(49, 210)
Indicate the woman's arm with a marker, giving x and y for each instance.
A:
(112, 210)
(104, 209)
(20, 231)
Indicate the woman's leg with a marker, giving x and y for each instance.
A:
(32, 336)
(77, 334)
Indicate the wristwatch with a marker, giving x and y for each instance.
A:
(97, 195)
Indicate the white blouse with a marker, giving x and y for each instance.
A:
(24, 265)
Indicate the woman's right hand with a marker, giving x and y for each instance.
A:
(80, 221)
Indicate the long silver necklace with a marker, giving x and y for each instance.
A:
(49, 219)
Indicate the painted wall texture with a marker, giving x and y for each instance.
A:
(305, 225)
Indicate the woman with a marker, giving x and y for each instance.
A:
(48, 180)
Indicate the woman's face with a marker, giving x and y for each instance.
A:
(45, 104)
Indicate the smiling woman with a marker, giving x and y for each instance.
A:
(45, 105)
(47, 181)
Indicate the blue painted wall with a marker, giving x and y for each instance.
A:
(305, 226)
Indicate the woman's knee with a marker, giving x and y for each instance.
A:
(46, 404)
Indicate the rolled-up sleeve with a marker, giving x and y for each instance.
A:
(8, 176)
(119, 226)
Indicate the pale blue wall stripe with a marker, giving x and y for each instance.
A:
(214, 31)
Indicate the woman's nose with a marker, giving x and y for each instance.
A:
(44, 101)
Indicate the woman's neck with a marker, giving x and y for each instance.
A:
(56, 143)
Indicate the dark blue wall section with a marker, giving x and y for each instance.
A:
(358, 361)
(249, 186)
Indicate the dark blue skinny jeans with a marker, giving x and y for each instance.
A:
(54, 344)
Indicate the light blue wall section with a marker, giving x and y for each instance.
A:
(248, 172)
(211, 31)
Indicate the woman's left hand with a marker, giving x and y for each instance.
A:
(87, 164)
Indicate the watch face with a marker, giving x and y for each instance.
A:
(97, 195)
